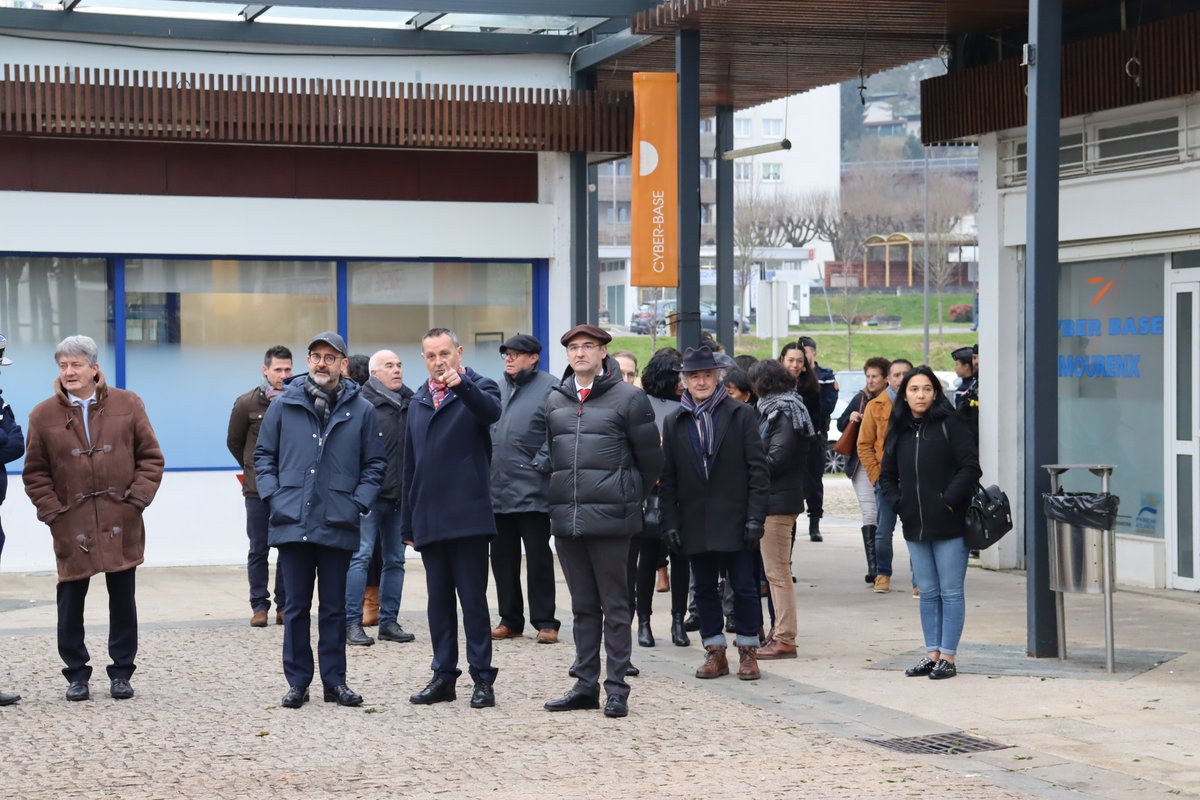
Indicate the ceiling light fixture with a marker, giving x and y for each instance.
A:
(757, 150)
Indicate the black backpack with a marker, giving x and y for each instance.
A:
(988, 517)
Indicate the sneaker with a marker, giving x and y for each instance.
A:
(942, 670)
(883, 584)
(390, 631)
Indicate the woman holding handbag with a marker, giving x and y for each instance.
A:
(875, 370)
(929, 472)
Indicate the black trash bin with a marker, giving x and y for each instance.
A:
(1079, 523)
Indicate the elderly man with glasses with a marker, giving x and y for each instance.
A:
(319, 463)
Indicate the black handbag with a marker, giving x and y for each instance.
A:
(988, 517)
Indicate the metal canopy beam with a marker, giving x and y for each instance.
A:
(425, 19)
(306, 35)
(609, 48)
(69, 5)
(687, 66)
(253, 12)
(553, 8)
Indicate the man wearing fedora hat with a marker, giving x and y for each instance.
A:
(520, 476)
(605, 458)
(12, 447)
(319, 463)
(714, 490)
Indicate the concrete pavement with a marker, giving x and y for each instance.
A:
(206, 720)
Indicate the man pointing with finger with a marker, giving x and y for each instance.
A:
(446, 511)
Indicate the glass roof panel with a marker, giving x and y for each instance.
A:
(164, 8)
(44, 5)
(509, 23)
(337, 17)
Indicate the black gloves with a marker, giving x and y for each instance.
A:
(673, 540)
(753, 532)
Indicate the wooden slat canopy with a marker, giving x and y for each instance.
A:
(125, 104)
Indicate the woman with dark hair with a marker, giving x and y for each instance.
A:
(875, 370)
(929, 471)
(745, 362)
(737, 383)
(796, 363)
(785, 427)
(660, 381)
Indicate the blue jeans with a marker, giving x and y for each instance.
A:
(940, 568)
(382, 525)
(741, 571)
(885, 521)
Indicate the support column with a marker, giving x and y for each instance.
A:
(593, 246)
(725, 205)
(581, 241)
(1041, 310)
(687, 67)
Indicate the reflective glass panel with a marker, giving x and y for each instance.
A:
(196, 332)
(1185, 366)
(1186, 523)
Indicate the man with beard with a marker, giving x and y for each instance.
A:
(319, 463)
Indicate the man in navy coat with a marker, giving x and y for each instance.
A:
(446, 511)
(319, 462)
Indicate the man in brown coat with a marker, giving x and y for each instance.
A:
(92, 465)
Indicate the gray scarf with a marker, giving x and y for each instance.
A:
(395, 398)
(323, 400)
(790, 404)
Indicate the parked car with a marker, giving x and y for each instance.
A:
(658, 314)
(849, 382)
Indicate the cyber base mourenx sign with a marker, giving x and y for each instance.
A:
(655, 203)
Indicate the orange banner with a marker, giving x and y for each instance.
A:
(655, 202)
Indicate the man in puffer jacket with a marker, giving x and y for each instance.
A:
(605, 457)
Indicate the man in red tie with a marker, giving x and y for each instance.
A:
(605, 457)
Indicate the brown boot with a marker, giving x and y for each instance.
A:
(371, 606)
(664, 580)
(776, 649)
(748, 664)
(715, 664)
(259, 619)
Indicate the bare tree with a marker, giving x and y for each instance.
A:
(950, 200)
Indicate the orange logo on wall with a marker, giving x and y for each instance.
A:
(655, 202)
(1103, 291)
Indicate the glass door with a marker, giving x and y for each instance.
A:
(1182, 423)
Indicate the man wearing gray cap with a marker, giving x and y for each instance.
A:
(319, 462)
(12, 447)
(520, 475)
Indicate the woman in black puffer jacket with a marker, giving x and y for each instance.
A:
(930, 469)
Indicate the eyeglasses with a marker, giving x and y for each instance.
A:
(582, 347)
(512, 355)
(328, 358)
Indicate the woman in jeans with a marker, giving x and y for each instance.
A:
(875, 370)
(785, 428)
(930, 468)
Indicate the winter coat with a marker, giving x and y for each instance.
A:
(318, 481)
(787, 455)
(711, 513)
(12, 444)
(92, 495)
(605, 456)
(447, 463)
(520, 451)
(244, 423)
(393, 425)
(829, 393)
(857, 403)
(930, 470)
(873, 432)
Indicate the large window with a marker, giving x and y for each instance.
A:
(393, 303)
(1110, 382)
(195, 334)
(43, 300)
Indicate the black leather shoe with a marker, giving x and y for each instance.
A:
(390, 631)
(645, 635)
(942, 670)
(923, 667)
(632, 672)
(483, 696)
(78, 690)
(120, 689)
(574, 700)
(296, 696)
(616, 707)
(692, 623)
(343, 695)
(355, 635)
(7, 699)
(439, 690)
(572, 672)
(679, 636)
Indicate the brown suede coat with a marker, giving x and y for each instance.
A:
(93, 497)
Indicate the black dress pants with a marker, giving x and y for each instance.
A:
(257, 565)
(814, 473)
(648, 553)
(533, 529)
(459, 566)
(596, 569)
(303, 566)
(122, 626)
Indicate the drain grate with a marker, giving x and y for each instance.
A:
(942, 744)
